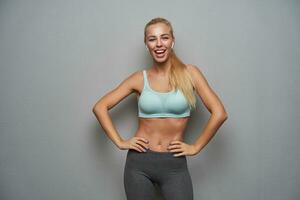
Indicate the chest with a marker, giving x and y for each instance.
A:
(163, 102)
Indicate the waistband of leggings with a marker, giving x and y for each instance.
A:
(155, 153)
(158, 152)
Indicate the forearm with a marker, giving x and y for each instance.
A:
(213, 124)
(107, 125)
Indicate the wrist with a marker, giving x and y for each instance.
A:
(197, 148)
(119, 142)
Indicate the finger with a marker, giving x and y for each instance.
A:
(134, 148)
(143, 139)
(142, 144)
(174, 146)
(179, 154)
(139, 147)
(176, 150)
(175, 142)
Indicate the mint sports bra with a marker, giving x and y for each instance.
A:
(153, 104)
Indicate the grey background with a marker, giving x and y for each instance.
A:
(59, 57)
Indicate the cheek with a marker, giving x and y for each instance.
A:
(151, 45)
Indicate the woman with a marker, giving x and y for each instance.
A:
(165, 91)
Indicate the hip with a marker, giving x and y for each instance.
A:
(153, 160)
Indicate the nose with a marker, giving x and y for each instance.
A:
(158, 42)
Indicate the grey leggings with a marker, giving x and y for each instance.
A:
(171, 174)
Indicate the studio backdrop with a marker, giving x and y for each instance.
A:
(57, 58)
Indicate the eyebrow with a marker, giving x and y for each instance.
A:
(161, 35)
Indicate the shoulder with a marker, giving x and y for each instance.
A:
(134, 79)
(134, 76)
(193, 69)
(196, 74)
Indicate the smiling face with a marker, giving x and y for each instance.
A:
(159, 41)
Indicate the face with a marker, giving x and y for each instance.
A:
(159, 41)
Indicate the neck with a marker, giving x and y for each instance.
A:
(162, 68)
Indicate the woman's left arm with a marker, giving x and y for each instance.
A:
(214, 106)
(212, 103)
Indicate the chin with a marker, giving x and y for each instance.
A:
(161, 60)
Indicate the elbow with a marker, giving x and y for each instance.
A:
(225, 116)
(221, 115)
(94, 110)
(98, 107)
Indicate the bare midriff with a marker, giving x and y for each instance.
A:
(161, 131)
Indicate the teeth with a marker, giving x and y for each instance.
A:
(160, 51)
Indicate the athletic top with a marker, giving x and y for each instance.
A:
(154, 104)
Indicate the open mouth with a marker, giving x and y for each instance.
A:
(160, 52)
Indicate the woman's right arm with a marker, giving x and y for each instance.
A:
(108, 101)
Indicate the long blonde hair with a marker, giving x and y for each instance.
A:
(179, 76)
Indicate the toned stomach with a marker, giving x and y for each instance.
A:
(161, 131)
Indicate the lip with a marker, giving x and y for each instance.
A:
(164, 51)
(162, 55)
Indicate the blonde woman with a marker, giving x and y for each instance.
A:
(165, 91)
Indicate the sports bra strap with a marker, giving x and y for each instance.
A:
(145, 79)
